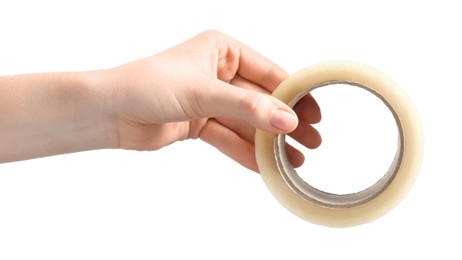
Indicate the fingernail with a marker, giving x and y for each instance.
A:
(284, 120)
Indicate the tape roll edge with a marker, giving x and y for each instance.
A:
(376, 80)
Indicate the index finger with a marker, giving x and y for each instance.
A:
(258, 69)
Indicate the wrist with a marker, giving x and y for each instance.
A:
(99, 86)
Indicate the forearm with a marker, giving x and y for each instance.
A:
(54, 113)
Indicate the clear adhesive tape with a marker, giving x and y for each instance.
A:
(345, 210)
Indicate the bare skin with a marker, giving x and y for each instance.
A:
(210, 87)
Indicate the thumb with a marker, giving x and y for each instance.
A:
(260, 110)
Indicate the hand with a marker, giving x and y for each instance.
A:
(211, 87)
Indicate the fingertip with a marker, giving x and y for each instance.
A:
(307, 135)
(297, 161)
(308, 110)
(296, 158)
(317, 142)
(284, 120)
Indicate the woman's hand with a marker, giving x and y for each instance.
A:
(210, 87)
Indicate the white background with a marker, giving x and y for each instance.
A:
(188, 200)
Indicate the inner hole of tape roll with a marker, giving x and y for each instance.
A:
(355, 168)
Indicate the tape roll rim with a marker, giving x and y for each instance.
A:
(328, 199)
(409, 158)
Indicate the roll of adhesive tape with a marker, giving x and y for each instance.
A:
(344, 210)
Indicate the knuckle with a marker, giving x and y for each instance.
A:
(210, 34)
(253, 103)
